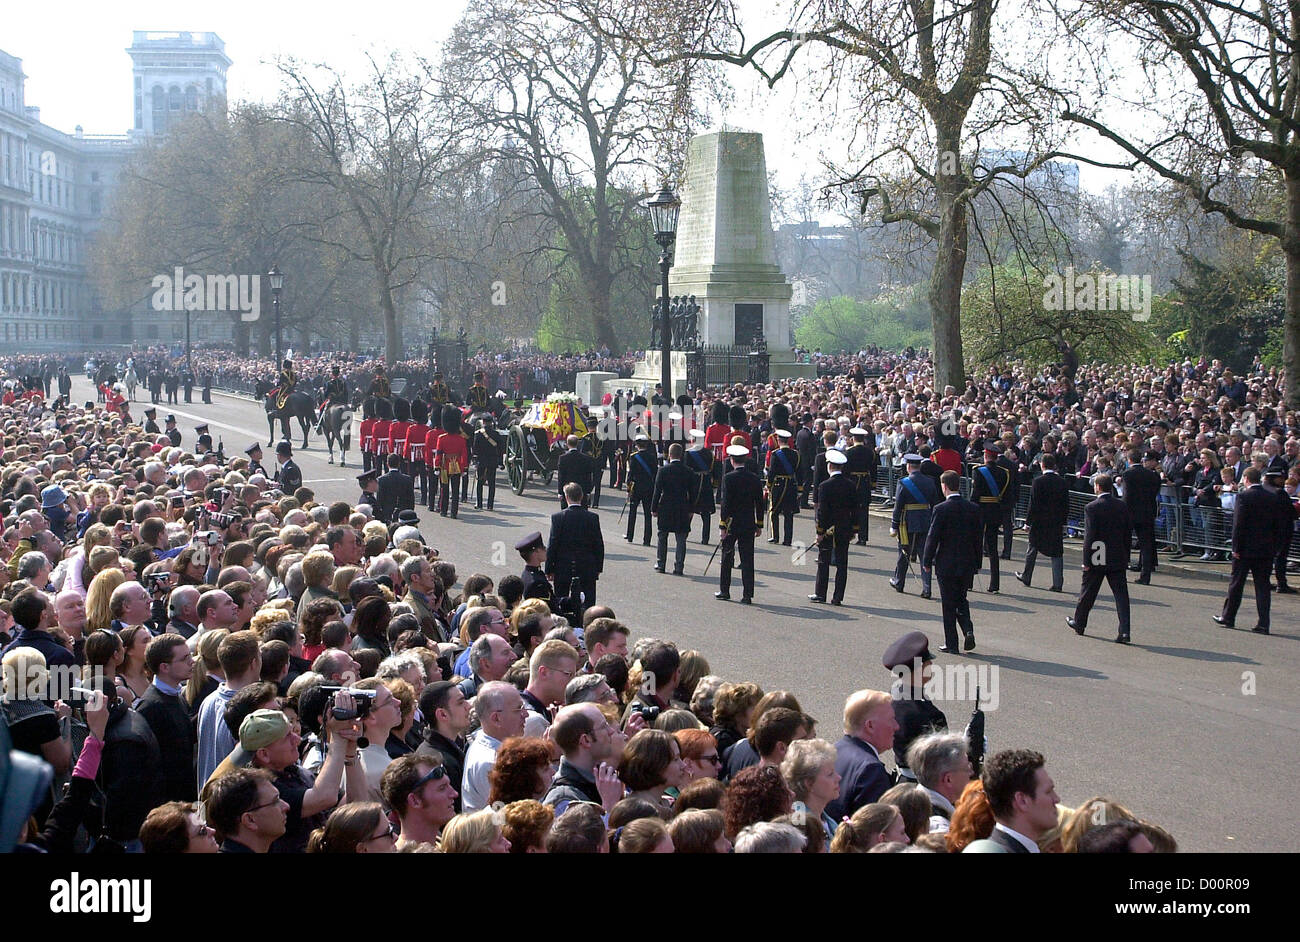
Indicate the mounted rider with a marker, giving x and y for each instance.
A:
(336, 390)
(477, 396)
(379, 387)
(287, 379)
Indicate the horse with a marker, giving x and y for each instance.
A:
(337, 425)
(131, 381)
(298, 406)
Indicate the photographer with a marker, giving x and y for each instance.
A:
(660, 664)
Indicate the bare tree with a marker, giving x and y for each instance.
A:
(587, 117)
(383, 148)
(1219, 113)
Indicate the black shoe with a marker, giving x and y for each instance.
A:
(1286, 590)
(1054, 588)
(1260, 630)
(746, 600)
(1021, 579)
(897, 586)
(478, 506)
(925, 593)
(1140, 581)
(837, 601)
(659, 568)
(1078, 629)
(724, 596)
(862, 542)
(992, 590)
(646, 543)
(944, 649)
(678, 572)
(627, 539)
(1222, 622)
(704, 542)
(819, 599)
(970, 642)
(1122, 639)
(786, 543)
(1134, 568)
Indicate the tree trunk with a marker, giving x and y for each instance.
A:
(392, 329)
(599, 292)
(949, 268)
(1291, 322)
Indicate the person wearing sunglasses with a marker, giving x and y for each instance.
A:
(359, 828)
(177, 828)
(420, 792)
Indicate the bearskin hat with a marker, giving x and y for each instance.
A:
(780, 415)
(419, 412)
(402, 410)
(450, 418)
(368, 408)
(737, 417)
(383, 409)
(721, 413)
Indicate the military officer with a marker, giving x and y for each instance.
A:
(916, 497)
(379, 387)
(862, 471)
(173, 433)
(643, 467)
(533, 551)
(836, 505)
(741, 519)
(782, 486)
(255, 466)
(992, 481)
(203, 443)
(477, 396)
(336, 390)
(369, 482)
(439, 396)
(909, 660)
(150, 421)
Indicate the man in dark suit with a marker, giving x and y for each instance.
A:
(1023, 799)
(642, 466)
(576, 545)
(915, 498)
(952, 550)
(575, 466)
(740, 520)
(289, 474)
(990, 484)
(1049, 507)
(1286, 513)
(396, 491)
(1106, 528)
(805, 442)
(1254, 538)
(672, 505)
(869, 729)
(1141, 494)
(837, 509)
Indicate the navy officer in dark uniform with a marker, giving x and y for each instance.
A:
(289, 475)
(173, 433)
(909, 660)
(741, 519)
(837, 503)
(991, 482)
(536, 585)
(255, 466)
(916, 497)
(369, 482)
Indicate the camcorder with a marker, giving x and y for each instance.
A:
(157, 579)
(649, 710)
(220, 520)
(571, 605)
(210, 537)
(362, 701)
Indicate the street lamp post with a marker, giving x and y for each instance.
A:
(277, 283)
(664, 209)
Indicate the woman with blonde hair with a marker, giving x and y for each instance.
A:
(692, 669)
(207, 675)
(33, 723)
(732, 708)
(876, 823)
(98, 613)
(76, 576)
(477, 833)
(357, 828)
(1093, 813)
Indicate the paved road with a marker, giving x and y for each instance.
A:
(1193, 726)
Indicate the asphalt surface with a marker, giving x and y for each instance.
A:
(1192, 726)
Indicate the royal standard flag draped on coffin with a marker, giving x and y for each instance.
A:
(560, 419)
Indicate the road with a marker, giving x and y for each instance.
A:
(1192, 726)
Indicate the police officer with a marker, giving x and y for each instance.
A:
(700, 462)
(915, 498)
(836, 507)
(533, 551)
(203, 443)
(909, 660)
(187, 382)
(289, 475)
(642, 468)
(255, 466)
(991, 483)
(150, 423)
(1274, 479)
(861, 470)
(485, 451)
(173, 433)
(369, 482)
(741, 519)
(783, 486)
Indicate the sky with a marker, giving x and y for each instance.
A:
(78, 71)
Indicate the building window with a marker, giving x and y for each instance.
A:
(191, 99)
(174, 98)
(97, 332)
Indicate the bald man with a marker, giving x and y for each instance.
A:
(70, 612)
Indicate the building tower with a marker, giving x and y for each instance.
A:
(175, 74)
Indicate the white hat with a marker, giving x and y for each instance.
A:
(675, 416)
(697, 433)
(858, 430)
(641, 437)
(835, 456)
(782, 433)
(406, 533)
(737, 451)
